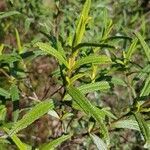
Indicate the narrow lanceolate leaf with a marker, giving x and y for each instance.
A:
(1, 48)
(98, 142)
(89, 109)
(131, 49)
(97, 86)
(18, 142)
(92, 87)
(4, 93)
(60, 49)
(144, 45)
(55, 143)
(143, 72)
(50, 50)
(18, 42)
(35, 113)
(128, 124)
(76, 77)
(8, 14)
(82, 23)
(143, 127)
(103, 59)
(108, 113)
(146, 89)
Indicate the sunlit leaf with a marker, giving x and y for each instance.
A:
(60, 49)
(131, 49)
(92, 87)
(146, 89)
(50, 50)
(144, 72)
(35, 113)
(8, 14)
(108, 113)
(54, 114)
(18, 142)
(3, 112)
(20, 49)
(89, 109)
(103, 59)
(82, 23)
(128, 124)
(1, 48)
(76, 77)
(144, 45)
(98, 142)
(55, 143)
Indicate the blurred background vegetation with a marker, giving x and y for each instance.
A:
(48, 20)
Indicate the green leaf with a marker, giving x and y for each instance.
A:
(4, 93)
(9, 58)
(143, 127)
(20, 49)
(131, 49)
(53, 113)
(108, 25)
(89, 109)
(144, 45)
(18, 142)
(60, 49)
(35, 113)
(103, 112)
(55, 143)
(103, 59)
(108, 113)
(92, 87)
(146, 89)
(27, 24)
(118, 81)
(97, 86)
(98, 142)
(143, 72)
(76, 77)
(67, 115)
(50, 50)
(8, 14)
(3, 112)
(128, 124)
(1, 48)
(82, 23)
(14, 91)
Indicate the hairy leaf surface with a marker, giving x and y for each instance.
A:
(89, 109)
(55, 143)
(35, 113)
(50, 50)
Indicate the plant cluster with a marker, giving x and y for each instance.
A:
(72, 81)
